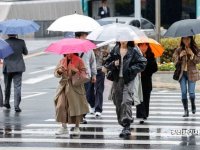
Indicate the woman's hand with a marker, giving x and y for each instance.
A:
(189, 51)
(61, 70)
(183, 53)
(117, 63)
(104, 70)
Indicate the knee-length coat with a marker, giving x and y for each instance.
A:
(74, 96)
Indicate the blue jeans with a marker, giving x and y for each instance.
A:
(191, 87)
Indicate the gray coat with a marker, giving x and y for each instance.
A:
(15, 62)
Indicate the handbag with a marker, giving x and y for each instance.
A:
(80, 77)
(177, 71)
(110, 76)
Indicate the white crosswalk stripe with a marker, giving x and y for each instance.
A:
(165, 127)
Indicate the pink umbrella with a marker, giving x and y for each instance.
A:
(70, 45)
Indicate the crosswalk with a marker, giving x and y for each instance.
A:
(165, 129)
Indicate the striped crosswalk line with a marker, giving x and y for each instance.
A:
(165, 127)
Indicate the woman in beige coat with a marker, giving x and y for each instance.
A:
(70, 101)
(188, 55)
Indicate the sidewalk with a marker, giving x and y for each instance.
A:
(39, 44)
(163, 79)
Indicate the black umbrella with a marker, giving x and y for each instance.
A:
(184, 28)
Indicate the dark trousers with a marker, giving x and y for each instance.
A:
(89, 88)
(99, 88)
(1, 97)
(94, 92)
(17, 80)
(142, 110)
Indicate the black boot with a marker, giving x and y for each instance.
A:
(193, 105)
(185, 105)
(125, 132)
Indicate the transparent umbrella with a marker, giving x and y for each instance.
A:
(117, 32)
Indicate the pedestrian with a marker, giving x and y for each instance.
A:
(13, 67)
(124, 62)
(104, 10)
(90, 64)
(142, 110)
(101, 54)
(70, 101)
(188, 55)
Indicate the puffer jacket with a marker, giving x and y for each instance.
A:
(133, 63)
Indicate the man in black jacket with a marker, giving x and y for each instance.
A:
(104, 10)
(13, 67)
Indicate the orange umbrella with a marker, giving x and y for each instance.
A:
(156, 47)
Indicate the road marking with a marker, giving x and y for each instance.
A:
(157, 108)
(150, 117)
(117, 126)
(157, 104)
(34, 54)
(29, 96)
(153, 112)
(87, 141)
(166, 96)
(54, 148)
(146, 121)
(104, 132)
(38, 79)
(45, 69)
(170, 93)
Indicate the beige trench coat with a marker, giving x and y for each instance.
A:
(193, 72)
(70, 101)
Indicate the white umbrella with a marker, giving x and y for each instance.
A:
(117, 32)
(74, 23)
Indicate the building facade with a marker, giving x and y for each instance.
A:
(44, 12)
(171, 10)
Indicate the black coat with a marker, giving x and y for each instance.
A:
(102, 13)
(146, 75)
(133, 63)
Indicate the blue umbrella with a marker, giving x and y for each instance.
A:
(18, 26)
(5, 49)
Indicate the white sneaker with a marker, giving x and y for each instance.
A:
(76, 130)
(92, 110)
(62, 131)
(98, 115)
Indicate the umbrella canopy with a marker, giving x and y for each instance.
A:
(70, 45)
(18, 26)
(184, 28)
(156, 47)
(74, 23)
(117, 32)
(5, 49)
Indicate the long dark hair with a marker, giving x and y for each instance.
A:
(129, 44)
(149, 54)
(193, 45)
